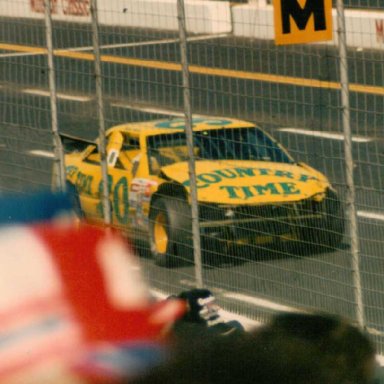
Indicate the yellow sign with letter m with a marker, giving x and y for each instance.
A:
(302, 21)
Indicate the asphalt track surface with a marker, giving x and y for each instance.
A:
(291, 91)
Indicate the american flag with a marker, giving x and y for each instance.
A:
(73, 302)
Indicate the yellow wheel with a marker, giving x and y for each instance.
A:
(160, 233)
(170, 231)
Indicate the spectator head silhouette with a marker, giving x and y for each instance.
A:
(266, 358)
(291, 349)
(345, 349)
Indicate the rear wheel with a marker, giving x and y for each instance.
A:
(170, 232)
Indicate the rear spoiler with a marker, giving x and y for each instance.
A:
(74, 143)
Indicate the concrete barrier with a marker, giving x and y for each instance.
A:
(253, 21)
(365, 29)
(61, 10)
(203, 17)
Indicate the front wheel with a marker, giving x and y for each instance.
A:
(170, 232)
(330, 231)
(334, 223)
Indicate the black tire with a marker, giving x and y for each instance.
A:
(330, 232)
(170, 233)
(75, 200)
(334, 223)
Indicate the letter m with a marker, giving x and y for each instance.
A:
(291, 8)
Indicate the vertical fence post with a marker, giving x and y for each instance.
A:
(59, 164)
(351, 199)
(189, 136)
(100, 110)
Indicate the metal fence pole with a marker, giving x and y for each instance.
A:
(189, 136)
(100, 110)
(59, 162)
(351, 200)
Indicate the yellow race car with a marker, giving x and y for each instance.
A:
(250, 190)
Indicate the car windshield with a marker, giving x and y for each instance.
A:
(217, 144)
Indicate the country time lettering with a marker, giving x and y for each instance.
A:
(246, 192)
(205, 180)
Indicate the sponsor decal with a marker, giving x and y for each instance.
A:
(120, 198)
(83, 183)
(246, 192)
(142, 188)
(38, 6)
(180, 123)
(76, 7)
(100, 207)
(65, 7)
(140, 193)
(71, 170)
(204, 180)
(379, 24)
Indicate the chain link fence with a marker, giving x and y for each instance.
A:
(205, 171)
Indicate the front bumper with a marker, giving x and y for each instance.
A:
(259, 224)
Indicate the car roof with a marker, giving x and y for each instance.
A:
(154, 127)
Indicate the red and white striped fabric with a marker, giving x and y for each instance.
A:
(74, 306)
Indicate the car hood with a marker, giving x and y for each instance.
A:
(250, 182)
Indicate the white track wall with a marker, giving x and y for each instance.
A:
(365, 29)
(203, 16)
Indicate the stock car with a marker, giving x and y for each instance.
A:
(249, 188)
